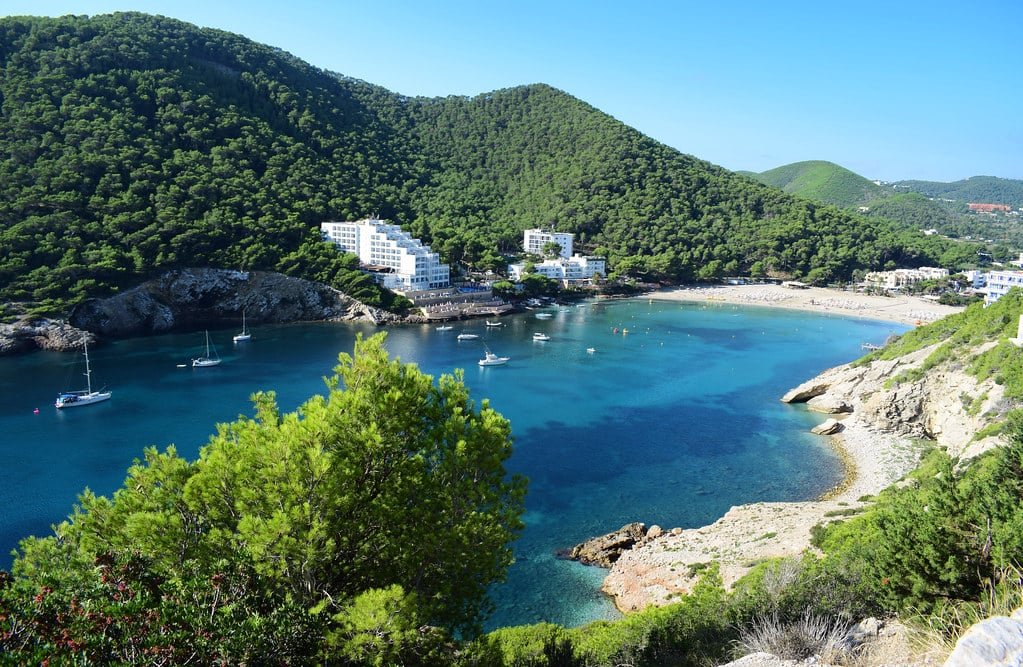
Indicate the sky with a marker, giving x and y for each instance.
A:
(891, 90)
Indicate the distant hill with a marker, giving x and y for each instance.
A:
(135, 144)
(825, 182)
(981, 189)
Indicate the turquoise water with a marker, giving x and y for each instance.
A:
(672, 423)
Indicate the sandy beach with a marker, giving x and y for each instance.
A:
(747, 534)
(904, 309)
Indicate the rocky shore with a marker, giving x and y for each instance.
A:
(880, 433)
(190, 299)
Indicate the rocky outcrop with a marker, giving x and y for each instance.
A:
(828, 427)
(197, 298)
(604, 550)
(995, 642)
(27, 334)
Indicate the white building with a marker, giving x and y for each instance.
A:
(533, 240)
(573, 269)
(1000, 282)
(900, 278)
(392, 256)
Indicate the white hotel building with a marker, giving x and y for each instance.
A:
(533, 240)
(1000, 282)
(392, 256)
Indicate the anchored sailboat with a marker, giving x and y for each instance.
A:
(208, 359)
(244, 335)
(72, 399)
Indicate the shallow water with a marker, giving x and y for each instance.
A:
(671, 423)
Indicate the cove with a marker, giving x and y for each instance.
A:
(671, 423)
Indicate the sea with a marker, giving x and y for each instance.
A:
(636, 410)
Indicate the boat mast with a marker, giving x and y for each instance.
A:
(88, 371)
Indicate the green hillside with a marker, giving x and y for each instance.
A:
(981, 189)
(138, 144)
(825, 182)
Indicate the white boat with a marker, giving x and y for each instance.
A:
(244, 335)
(544, 316)
(494, 324)
(72, 399)
(492, 359)
(540, 336)
(445, 327)
(208, 359)
(465, 336)
(591, 350)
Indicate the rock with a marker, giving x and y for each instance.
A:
(603, 551)
(805, 391)
(191, 299)
(654, 532)
(829, 427)
(993, 642)
(828, 404)
(27, 334)
(676, 531)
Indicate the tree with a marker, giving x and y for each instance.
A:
(551, 249)
(391, 481)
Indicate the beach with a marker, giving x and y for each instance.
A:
(905, 309)
(661, 569)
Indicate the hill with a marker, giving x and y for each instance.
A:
(140, 144)
(825, 182)
(983, 189)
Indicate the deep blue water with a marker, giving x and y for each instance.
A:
(672, 423)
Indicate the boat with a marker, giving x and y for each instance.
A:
(465, 336)
(72, 399)
(540, 336)
(244, 335)
(491, 359)
(207, 359)
(445, 327)
(544, 316)
(494, 324)
(591, 350)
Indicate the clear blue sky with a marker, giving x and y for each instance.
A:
(892, 90)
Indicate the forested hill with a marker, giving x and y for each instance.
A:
(823, 181)
(982, 189)
(136, 143)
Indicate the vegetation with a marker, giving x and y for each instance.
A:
(982, 189)
(824, 182)
(369, 522)
(137, 144)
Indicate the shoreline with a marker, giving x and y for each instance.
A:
(664, 566)
(903, 309)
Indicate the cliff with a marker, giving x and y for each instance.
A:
(191, 299)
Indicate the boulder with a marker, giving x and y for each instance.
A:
(828, 404)
(991, 643)
(829, 427)
(654, 532)
(604, 550)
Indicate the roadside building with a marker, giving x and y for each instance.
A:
(394, 259)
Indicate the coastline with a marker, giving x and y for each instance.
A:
(665, 566)
(904, 309)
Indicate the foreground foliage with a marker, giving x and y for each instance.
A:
(349, 528)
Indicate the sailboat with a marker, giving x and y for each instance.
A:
(207, 359)
(72, 399)
(244, 335)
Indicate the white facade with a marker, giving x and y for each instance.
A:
(1000, 282)
(533, 240)
(573, 269)
(900, 278)
(395, 259)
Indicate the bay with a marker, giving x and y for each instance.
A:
(670, 423)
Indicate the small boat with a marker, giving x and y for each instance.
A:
(244, 335)
(870, 346)
(540, 336)
(208, 359)
(491, 359)
(72, 399)
(591, 350)
(544, 316)
(445, 327)
(494, 324)
(465, 336)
